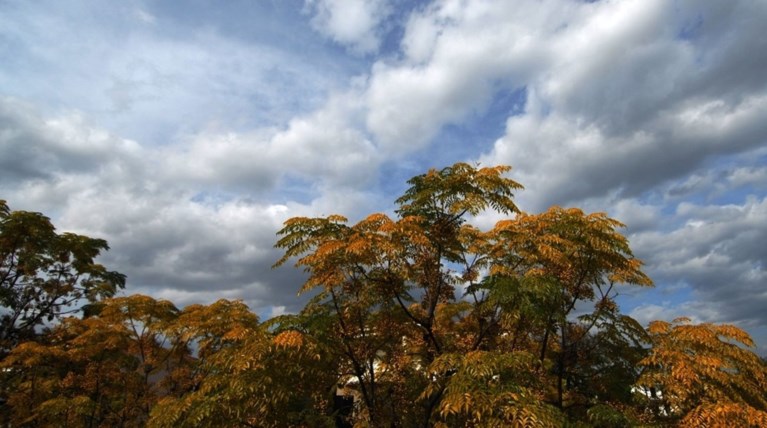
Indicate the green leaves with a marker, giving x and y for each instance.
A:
(489, 389)
(457, 190)
(44, 275)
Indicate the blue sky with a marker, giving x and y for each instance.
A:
(186, 133)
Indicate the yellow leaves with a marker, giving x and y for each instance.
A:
(302, 234)
(324, 251)
(459, 189)
(724, 415)
(733, 333)
(566, 244)
(28, 354)
(99, 363)
(388, 294)
(693, 365)
(237, 333)
(289, 339)
(335, 218)
(659, 327)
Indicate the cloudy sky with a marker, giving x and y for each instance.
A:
(185, 133)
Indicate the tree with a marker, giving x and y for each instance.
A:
(244, 375)
(581, 257)
(704, 375)
(44, 275)
(427, 287)
(108, 369)
(385, 280)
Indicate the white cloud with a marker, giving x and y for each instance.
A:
(635, 215)
(325, 147)
(154, 83)
(697, 312)
(166, 235)
(456, 56)
(352, 23)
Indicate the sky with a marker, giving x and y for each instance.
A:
(186, 133)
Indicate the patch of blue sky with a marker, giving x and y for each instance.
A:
(393, 176)
(393, 29)
(280, 26)
(667, 294)
(651, 197)
(460, 142)
(274, 23)
(477, 133)
(739, 195)
(717, 183)
(293, 188)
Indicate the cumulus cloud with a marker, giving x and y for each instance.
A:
(170, 243)
(324, 147)
(171, 238)
(696, 311)
(718, 252)
(33, 148)
(610, 131)
(355, 24)
(154, 83)
(591, 162)
(455, 56)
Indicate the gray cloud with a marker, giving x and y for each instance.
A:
(718, 251)
(165, 211)
(621, 107)
(33, 148)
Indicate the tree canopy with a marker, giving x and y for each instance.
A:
(45, 275)
(417, 320)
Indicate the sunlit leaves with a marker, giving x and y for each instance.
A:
(581, 250)
(725, 414)
(704, 372)
(518, 282)
(490, 389)
(98, 371)
(421, 319)
(457, 190)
